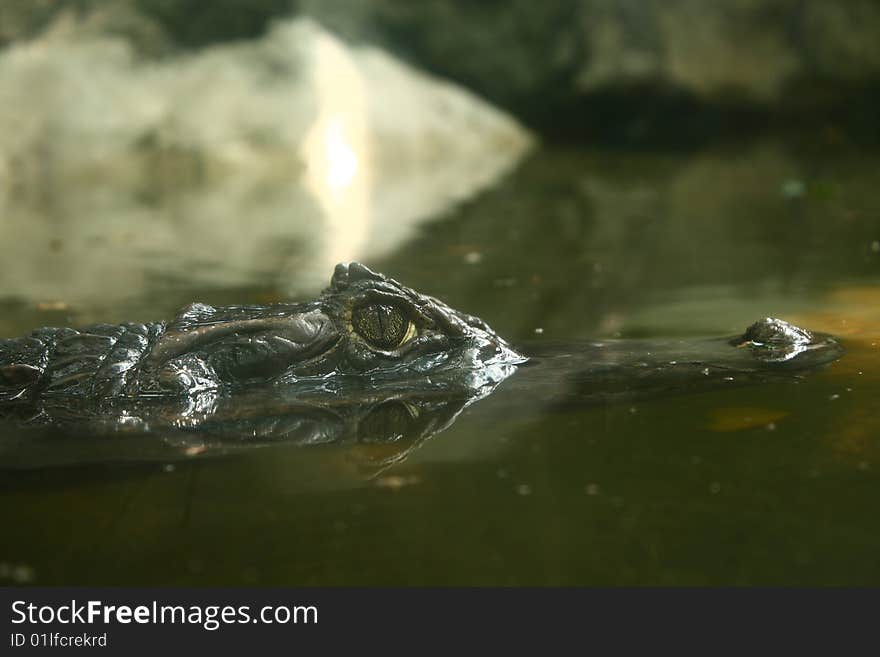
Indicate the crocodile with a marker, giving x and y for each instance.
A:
(370, 361)
(364, 327)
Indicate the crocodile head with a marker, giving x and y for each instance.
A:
(365, 327)
(775, 341)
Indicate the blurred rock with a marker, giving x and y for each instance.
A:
(22, 20)
(583, 66)
(227, 165)
(153, 26)
(604, 70)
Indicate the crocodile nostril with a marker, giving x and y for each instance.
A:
(773, 332)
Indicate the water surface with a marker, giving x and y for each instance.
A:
(770, 484)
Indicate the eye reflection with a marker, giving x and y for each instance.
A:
(387, 423)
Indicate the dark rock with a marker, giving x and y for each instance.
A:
(600, 70)
(636, 68)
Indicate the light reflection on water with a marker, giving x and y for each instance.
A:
(336, 154)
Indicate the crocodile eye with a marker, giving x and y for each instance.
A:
(384, 325)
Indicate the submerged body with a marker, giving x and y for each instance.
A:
(370, 361)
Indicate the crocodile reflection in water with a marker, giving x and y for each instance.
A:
(369, 362)
(374, 428)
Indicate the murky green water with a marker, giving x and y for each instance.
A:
(774, 484)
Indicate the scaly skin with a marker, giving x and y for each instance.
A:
(363, 325)
(369, 363)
